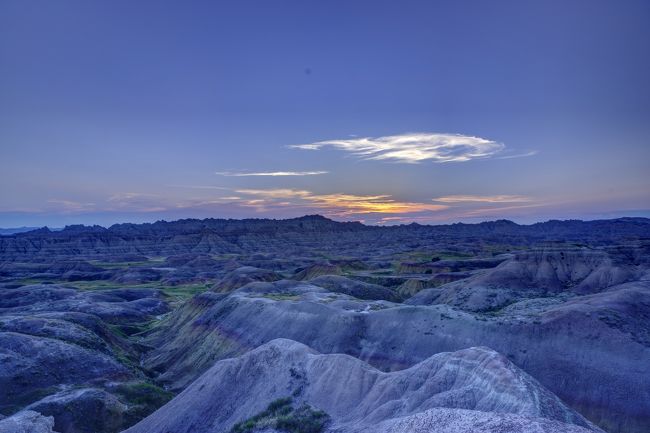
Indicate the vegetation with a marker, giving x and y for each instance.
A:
(143, 399)
(144, 393)
(282, 415)
(123, 265)
(178, 293)
(432, 256)
(183, 292)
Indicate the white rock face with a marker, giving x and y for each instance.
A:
(27, 421)
(474, 389)
(443, 420)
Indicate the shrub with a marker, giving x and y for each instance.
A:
(281, 415)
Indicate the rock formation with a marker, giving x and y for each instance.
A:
(468, 389)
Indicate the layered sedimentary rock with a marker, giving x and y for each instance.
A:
(355, 288)
(242, 276)
(358, 397)
(86, 326)
(64, 354)
(299, 236)
(593, 352)
(538, 273)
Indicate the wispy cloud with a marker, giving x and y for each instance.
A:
(486, 212)
(348, 204)
(482, 199)
(222, 188)
(129, 196)
(407, 219)
(275, 193)
(337, 204)
(288, 202)
(71, 206)
(519, 155)
(270, 173)
(413, 147)
(136, 201)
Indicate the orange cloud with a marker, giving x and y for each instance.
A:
(341, 204)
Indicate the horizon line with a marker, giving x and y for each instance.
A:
(55, 229)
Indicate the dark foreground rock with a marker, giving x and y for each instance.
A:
(64, 354)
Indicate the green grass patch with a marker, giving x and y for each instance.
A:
(152, 261)
(282, 415)
(180, 292)
(185, 291)
(30, 281)
(144, 393)
(143, 399)
(106, 285)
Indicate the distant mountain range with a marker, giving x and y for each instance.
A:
(14, 230)
(302, 235)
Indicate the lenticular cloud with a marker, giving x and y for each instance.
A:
(413, 148)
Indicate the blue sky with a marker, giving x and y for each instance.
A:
(385, 112)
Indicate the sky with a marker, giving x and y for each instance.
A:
(374, 111)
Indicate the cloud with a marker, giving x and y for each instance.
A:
(347, 204)
(520, 155)
(407, 219)
(501, 210)
(275, 193)
(291, 202)
(414, 147)
(70, 206)
(482, 199)
(129, 196)
(337, 204)
(270, 173)
(136, 201)
(200, 187)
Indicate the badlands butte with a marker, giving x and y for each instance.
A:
(311, 325)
